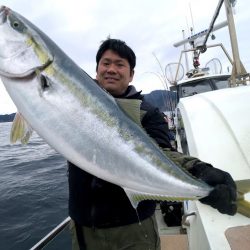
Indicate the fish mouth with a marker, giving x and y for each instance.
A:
(4, 11)
(27, 73)
(22, 73)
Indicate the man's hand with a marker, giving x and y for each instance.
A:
(224, 195)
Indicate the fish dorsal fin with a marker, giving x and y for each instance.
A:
(20, 130)
(131, 107)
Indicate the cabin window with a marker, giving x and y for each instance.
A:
(195, 88)
(182, 134)
(221, 84)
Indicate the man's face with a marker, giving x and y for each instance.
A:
(113, 73)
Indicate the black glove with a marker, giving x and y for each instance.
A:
(223, 197)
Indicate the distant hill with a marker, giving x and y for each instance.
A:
(163, 99)
(7, 117)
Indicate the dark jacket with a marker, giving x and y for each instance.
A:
(94, 202)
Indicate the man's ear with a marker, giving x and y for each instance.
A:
(132, 72)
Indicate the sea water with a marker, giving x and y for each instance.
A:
(33, 193)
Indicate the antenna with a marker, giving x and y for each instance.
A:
(191, 14)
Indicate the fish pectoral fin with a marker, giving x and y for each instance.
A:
(20, 130)
(131, 107)
(243, 187)
(44, 83)
(135, 197)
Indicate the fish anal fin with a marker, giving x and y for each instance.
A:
(135, 197)
(132, 197)
(20, 130)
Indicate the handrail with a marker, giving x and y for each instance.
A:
(193, 49)
(51, 235)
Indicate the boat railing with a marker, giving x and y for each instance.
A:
(194, 49)
(51, 235)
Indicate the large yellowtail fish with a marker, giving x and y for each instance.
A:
(82, 121)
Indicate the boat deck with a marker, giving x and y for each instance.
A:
(171, 237)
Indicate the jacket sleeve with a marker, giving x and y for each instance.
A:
(182, 160)
(156, 126)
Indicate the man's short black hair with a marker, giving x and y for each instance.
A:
(119, 47)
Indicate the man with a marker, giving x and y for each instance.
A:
(102, 216)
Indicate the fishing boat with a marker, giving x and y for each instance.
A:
(212, 124)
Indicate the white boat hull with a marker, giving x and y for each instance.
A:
(217, 127)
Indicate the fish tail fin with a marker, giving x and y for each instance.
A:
(243, 207)
(243, 187)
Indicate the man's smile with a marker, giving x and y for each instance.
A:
(111, 79)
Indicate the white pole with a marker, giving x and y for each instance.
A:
(233, 38)
(202, 33)
(186, 56)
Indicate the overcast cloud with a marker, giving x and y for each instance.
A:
(78, 27)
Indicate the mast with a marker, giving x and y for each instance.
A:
(239, 73)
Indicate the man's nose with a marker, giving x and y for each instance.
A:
(111, 68)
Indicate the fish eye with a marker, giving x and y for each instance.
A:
(16, 24)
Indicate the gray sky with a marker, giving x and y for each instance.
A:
(149, 27)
